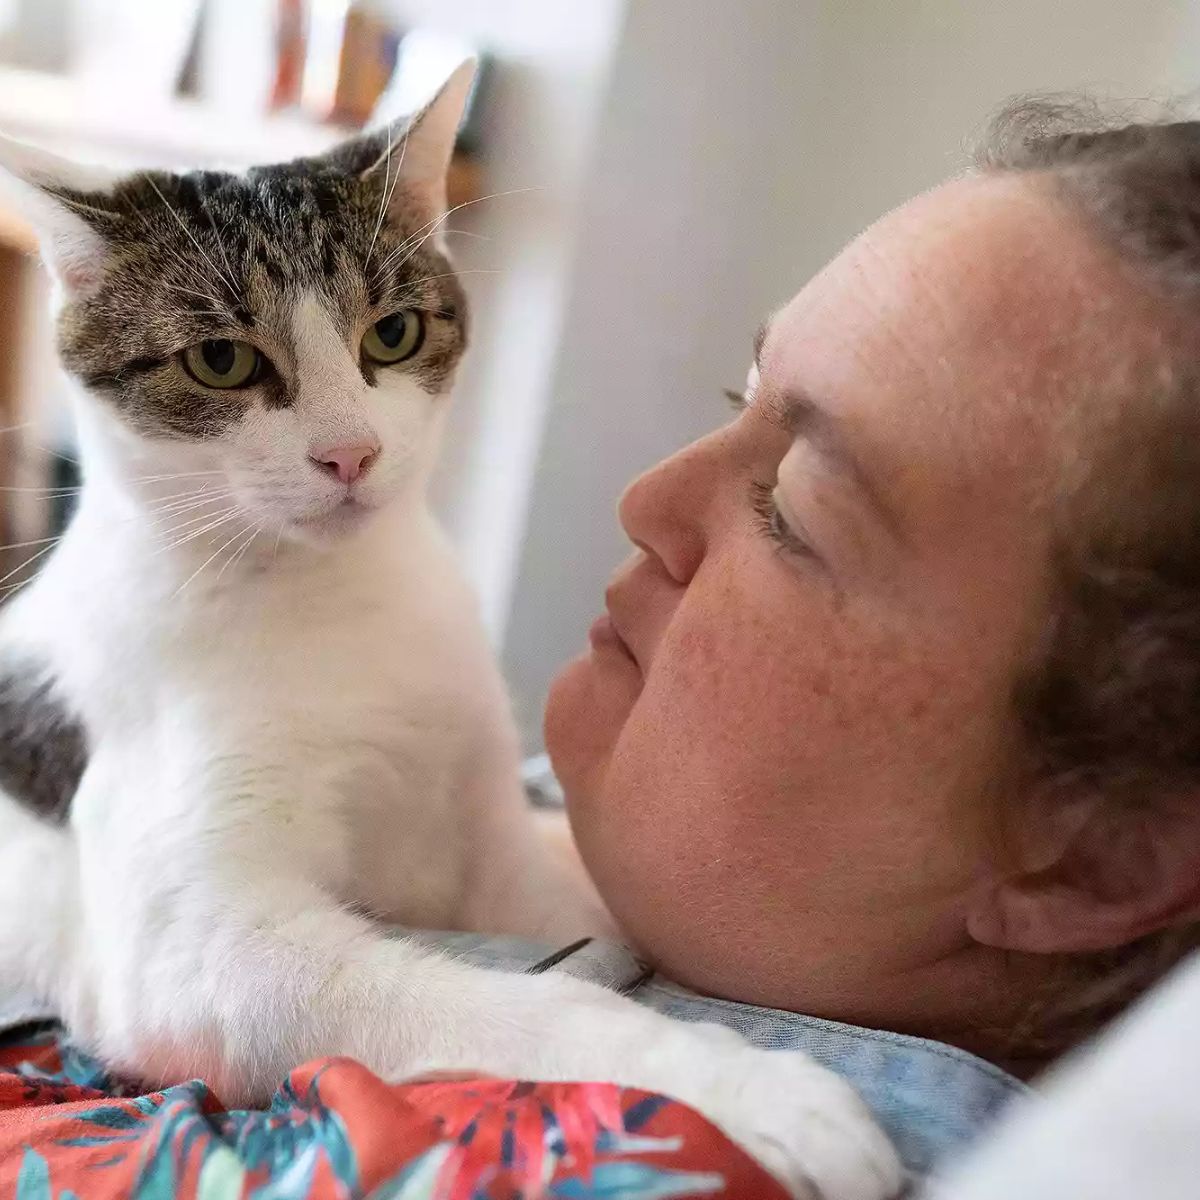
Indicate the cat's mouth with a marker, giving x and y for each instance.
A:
(345, 516)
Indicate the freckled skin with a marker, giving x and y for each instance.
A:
(791, 799)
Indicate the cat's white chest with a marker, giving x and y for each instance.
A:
(352, 706)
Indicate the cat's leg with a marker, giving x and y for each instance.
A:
(524, 875)
(529, 880)
(276, 973)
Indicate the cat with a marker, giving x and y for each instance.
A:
(248, 713)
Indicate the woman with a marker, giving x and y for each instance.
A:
(894, 720)
(895, 716)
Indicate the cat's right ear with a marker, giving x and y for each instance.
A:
(66, 203)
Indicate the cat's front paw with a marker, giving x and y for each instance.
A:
(806, 1125)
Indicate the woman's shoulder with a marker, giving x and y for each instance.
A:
(932, 1099)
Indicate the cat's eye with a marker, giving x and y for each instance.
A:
(223, 363)
(395, 337)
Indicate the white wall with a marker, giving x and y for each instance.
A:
(904, 85)
(552, 80)
(676, 267)
(742, 144)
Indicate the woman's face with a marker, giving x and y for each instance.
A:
(783, 751)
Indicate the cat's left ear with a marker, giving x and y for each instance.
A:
(67, 205)
(409, 161)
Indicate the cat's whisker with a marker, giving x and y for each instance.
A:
(192, 237)
(174, 287)
(49, 543)
(220, 549)
(169, 525)
(220, 241)
(193, 274)
(412, 283)
(80, 207)
(254, 532)
(36, 542)
(430, 227)
(278, 539)
(212, 521)
(15, 428)
(7, 590)
(242, 549)
(415, 249)
(385, 201)
(66, 458)
(387, 170)
(190, 271)
(164, 502)
(31, 559)
(176, 535)
(160, 503)
(201, 532)
(196, 519)
(158, 513)
(192, 506)
(173, 475)
(44, 491)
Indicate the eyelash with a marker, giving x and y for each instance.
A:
(767, 518)
(769, 522)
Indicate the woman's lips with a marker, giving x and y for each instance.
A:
(603, 635)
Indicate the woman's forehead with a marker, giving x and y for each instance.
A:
(963, 323)
(950, 346)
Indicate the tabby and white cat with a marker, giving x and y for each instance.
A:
(247, 712)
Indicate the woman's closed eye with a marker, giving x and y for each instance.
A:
(771, 523)
(768, 519)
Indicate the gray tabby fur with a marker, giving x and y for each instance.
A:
(212, 254)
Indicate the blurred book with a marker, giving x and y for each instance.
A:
(289, 54)
(350, 54)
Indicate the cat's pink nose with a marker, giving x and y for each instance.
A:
(346, 462)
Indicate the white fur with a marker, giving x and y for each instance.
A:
(297, 736)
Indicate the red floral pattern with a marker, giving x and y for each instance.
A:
(67, 1132)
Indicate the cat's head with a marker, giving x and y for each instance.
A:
(283, 337)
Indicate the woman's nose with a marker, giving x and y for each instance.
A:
(664, 511)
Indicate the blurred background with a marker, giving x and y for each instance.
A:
(662, 173)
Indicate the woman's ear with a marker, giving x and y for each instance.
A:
(1093, 875)
(66, 203)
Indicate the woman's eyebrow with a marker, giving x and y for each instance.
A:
(802, 417)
